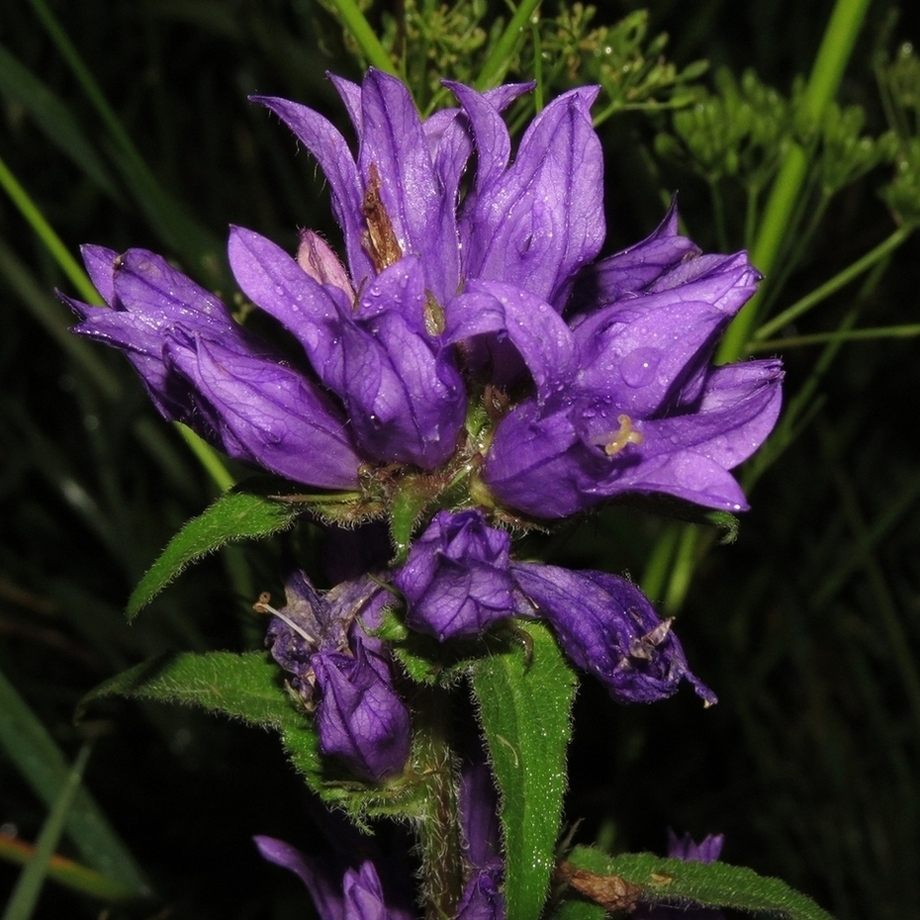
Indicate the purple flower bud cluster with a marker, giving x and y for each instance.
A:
(342, 672)
(459, 578)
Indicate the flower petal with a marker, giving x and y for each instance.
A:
(537, 332)
(328, 901)
(268, 414)
(543, 218)
(326, 143)
(423, 217)
(607, 627)
(360, 719)
(650, 352)
(456, 579)
(634, 269)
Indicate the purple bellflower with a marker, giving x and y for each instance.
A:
(608, 360)
(470, 344)
(363, 895)
(458, 579)
(321, 641)
(360, 896)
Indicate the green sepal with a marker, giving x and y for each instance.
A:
(717, 885)
(728, 523)
(524, 697)
(236, 515)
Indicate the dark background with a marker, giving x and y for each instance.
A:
(807, 626)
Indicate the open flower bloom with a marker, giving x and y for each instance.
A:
(597, 373)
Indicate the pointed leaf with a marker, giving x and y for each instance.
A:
(245, 687)
(524, 698)
(716, 885)
(234, 516)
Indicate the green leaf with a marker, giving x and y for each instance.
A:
(67, 872)
(524, 698)
(41, 763)
(18, 84)
(715, 885)
(244, 687)
(235, 516)
(247, 687)
(241, 686)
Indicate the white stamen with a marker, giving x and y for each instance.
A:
(267, 608)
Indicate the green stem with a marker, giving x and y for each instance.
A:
(834, 284)
(356, 23)
(209, 458)
(822, 338)
(494, 68)
(46, 234)
(833, 55)
(439, 831)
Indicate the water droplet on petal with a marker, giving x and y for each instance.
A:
(638, 367)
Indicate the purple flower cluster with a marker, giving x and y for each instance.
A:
(596, 374)
(474, 346)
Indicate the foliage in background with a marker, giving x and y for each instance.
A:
(807, 626)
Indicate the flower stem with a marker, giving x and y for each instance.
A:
(835, 283)
(356, 23)
(833, 55)
(439, 831)
(494, 68)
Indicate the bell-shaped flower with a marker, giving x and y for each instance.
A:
(459, 578)
(203, 369)
(639, 408)
(456, 580)
(359, 894)
(607, 627)
(321, 641)
(360, 718)
(381, 354)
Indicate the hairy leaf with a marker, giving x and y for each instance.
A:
(524, 698)
(236, 515)
(692, 883)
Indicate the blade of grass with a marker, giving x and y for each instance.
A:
(40, 762)
(833, 55)
(65, 871)
(178, 230)
(821, 338)
(32, 878)
(354, 21)
(885, 248)
(51, 241)
(54, 118)
(494, 68)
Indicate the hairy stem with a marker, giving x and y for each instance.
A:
(439, 830)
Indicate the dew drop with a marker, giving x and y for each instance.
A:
(638, 367)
